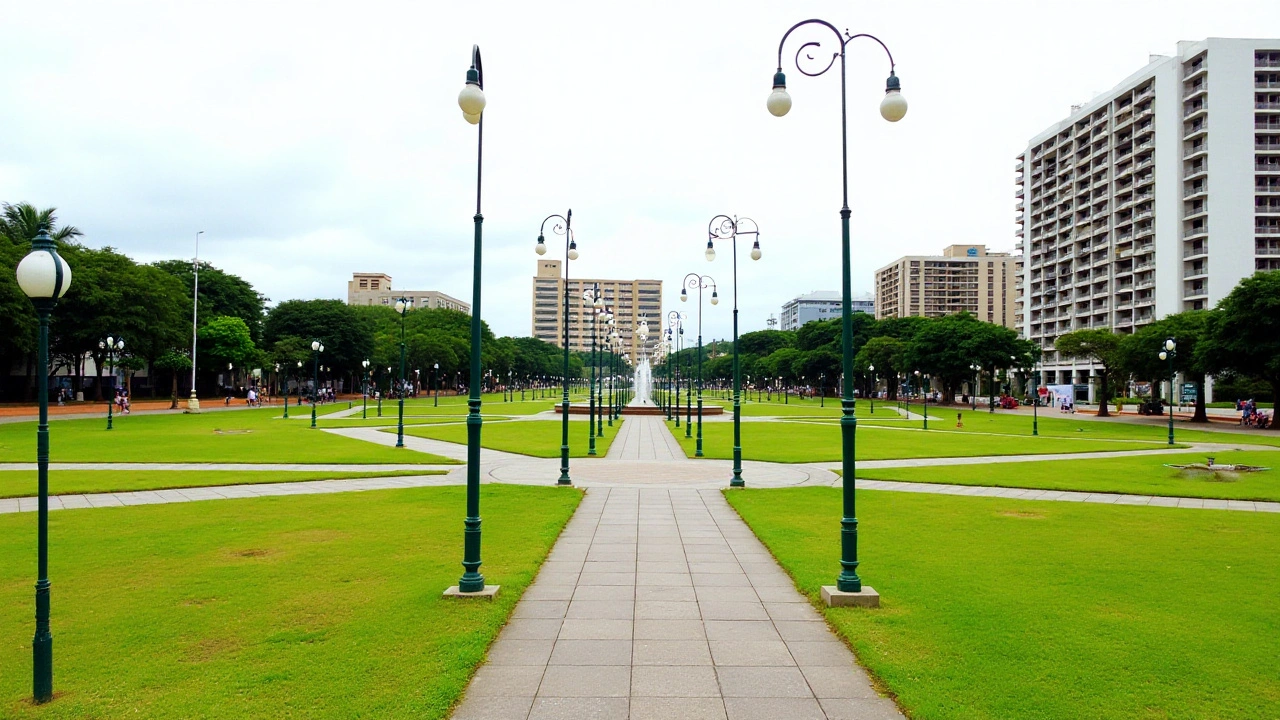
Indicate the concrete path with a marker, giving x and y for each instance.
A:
(644, 438)
(661, 604)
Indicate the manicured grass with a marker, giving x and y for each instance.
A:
(389, 420)
(797, 407)
(794, 442)
(243, 436)
(489, 403)
(22, 483)
(318, 606)
(1141, 475)
(1054, 424)
(1012, 609)
(538, 438)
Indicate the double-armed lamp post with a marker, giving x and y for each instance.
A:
(402, 306)
(317, 347)
(562, 226)
(44, 277)
(699, 282)
(111, 347)
(364, 385)
(1168, 353)
(592, 308)
(893, 107)
(723, 227)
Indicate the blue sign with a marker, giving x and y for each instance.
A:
(972, 252)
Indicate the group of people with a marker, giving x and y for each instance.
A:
(1251, 416)
(122, 401)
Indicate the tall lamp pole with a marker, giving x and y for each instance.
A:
(364, 388)
(694, 281)
(977, 384)
(892, 108)
(871, 370)
(403, 306)
(193, 402)
(317, 347)
(472, 101)
(44, 277)
(111, 346)
(722, 227)
(570, 253)
(1169, 351)
(593, 307)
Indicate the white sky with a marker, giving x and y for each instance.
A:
(311, 140)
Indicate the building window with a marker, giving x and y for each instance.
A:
(364, 284)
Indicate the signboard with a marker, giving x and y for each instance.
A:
(1188, 393)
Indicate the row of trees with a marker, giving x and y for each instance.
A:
(150, 306)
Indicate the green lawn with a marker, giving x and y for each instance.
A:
(390, 419)
(1143, 475)
(538, 438)
(805, 408)
(1008, 609)
(318, 606)
(242, 436)
(793, 442)
(489, 403)
(22, 483)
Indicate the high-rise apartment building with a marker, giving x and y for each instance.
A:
(1153, 198)
(631, 300)
(375, 289)
(963, 278)
(822, 305)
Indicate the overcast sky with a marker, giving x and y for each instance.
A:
(311, 140)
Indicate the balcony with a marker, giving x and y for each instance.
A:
(1197, 190)
(1194, 110)
(1195, 150)
(1266, 248)
(1266, 106)
(1267, 167)
(1195, 251)
(1267, 146)
(1195, 272)
(1194, 90)
(1266, 209)
(1262, 62)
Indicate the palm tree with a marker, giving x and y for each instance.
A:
(20, 223)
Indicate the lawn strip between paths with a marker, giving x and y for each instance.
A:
(536, 438)
(22, 483)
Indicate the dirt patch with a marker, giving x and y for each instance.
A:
(209, 649)
(1027, 514)
(251, 552)
(198, 602)
(217, 431)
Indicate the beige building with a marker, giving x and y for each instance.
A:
(375, 289)
(964, 277)
(631, 300)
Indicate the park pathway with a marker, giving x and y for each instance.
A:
(658, 603)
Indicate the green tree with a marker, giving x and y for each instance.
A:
(1141, 352)
(1244, 334)
(221, 293)
(885, 353)
(225, 340)
(1102, 347)
(174, 363)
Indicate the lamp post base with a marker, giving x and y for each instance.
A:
(866, 597)
(488, 593)
(193, 404)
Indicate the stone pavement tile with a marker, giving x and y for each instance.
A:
(763, 682)
(1245, 505)
(539, 591)
(541, 609)
(838, 682)
(506, 681)
(791, 611)
(604, 592)
(493, 708)
(558, 578)
(773, 709)
(562, 566)
(12, 505)
(722, 581)
(573, 681)
(609, 566)
(730, 609)
(592, 652)
(798, 631)
(779, 594)
(860, 709)
(669, 629)
(830, 653)
(670, 652)
(1267, 507)
(591, 629)
(579, 708)
(645, 593)
(740, 630)
(769, 653)
(1163, 502)
(715, 568)
(674, 681)
(602, 609)
(532, 629)
(508, 651)
(607, 579)
(664, 579)
(666, 610)
(669, 566)
(597, 553)
(655, 708)
(773, 579)
(716, 593)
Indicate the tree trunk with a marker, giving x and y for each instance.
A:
(174, 404)
(151, 379)
(97, 385)
(1103, 396)
(1200, 415)
(30, 392)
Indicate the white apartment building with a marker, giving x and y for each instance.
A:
(630, 300)
(964, 278)
(1156, 197)
(822, 305)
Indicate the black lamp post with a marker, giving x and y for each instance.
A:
(1168, 353)
(893, 107)
(44, 277)
(435, 380)
(607, 318)
(593, 309)
(111, 346)
(570, 253)
(700, 282)
(317, 347)
(364, 392)
(471, 100)
(723, 226)
(402, 306)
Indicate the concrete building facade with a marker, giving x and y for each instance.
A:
(963, 278)
(1155, 197)
(375, 289)
(631, 301)
(822, 305)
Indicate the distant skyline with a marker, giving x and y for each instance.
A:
(311, 141)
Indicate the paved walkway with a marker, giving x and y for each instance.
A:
(660, 604)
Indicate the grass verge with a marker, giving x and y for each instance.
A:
(536, 438)
(22, 483)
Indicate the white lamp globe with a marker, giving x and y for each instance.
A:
(299, 363)
(755, 251)
(1170, 344)
(111, 342)
(872, 368)
(684, 295)
(38, 274)
(711, 252)
(779, 102)
(120, 344)
(315, 345)
(599, 302)
(715, 299)
(894, 106)
(473, 119)
(1164, 355)
(541, 247)
(471, 100)
(573, 251)
(321, 347)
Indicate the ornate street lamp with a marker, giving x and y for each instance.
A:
(1169, 351)
(364, 388)
(893, 107)
(435, 380)
(403, 305)
(725, 227)
(570, 253)
(44, 277)
(675, 329)
(593, 309)
(923, 396)
(193, 402)
(317, 347)
(694, 281)
(977, 384)
(111, 347)
(871, 370)
(472, 101)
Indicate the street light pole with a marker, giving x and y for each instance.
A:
(112, 345)
(44, 277)
(316, 348)
(193, 402)
(1170, 349)
(364, 384)
(402, 306)
(871, 370)
(570, 253)
(593, 308)
(893, 107)
(700, 283)
(723, 226)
